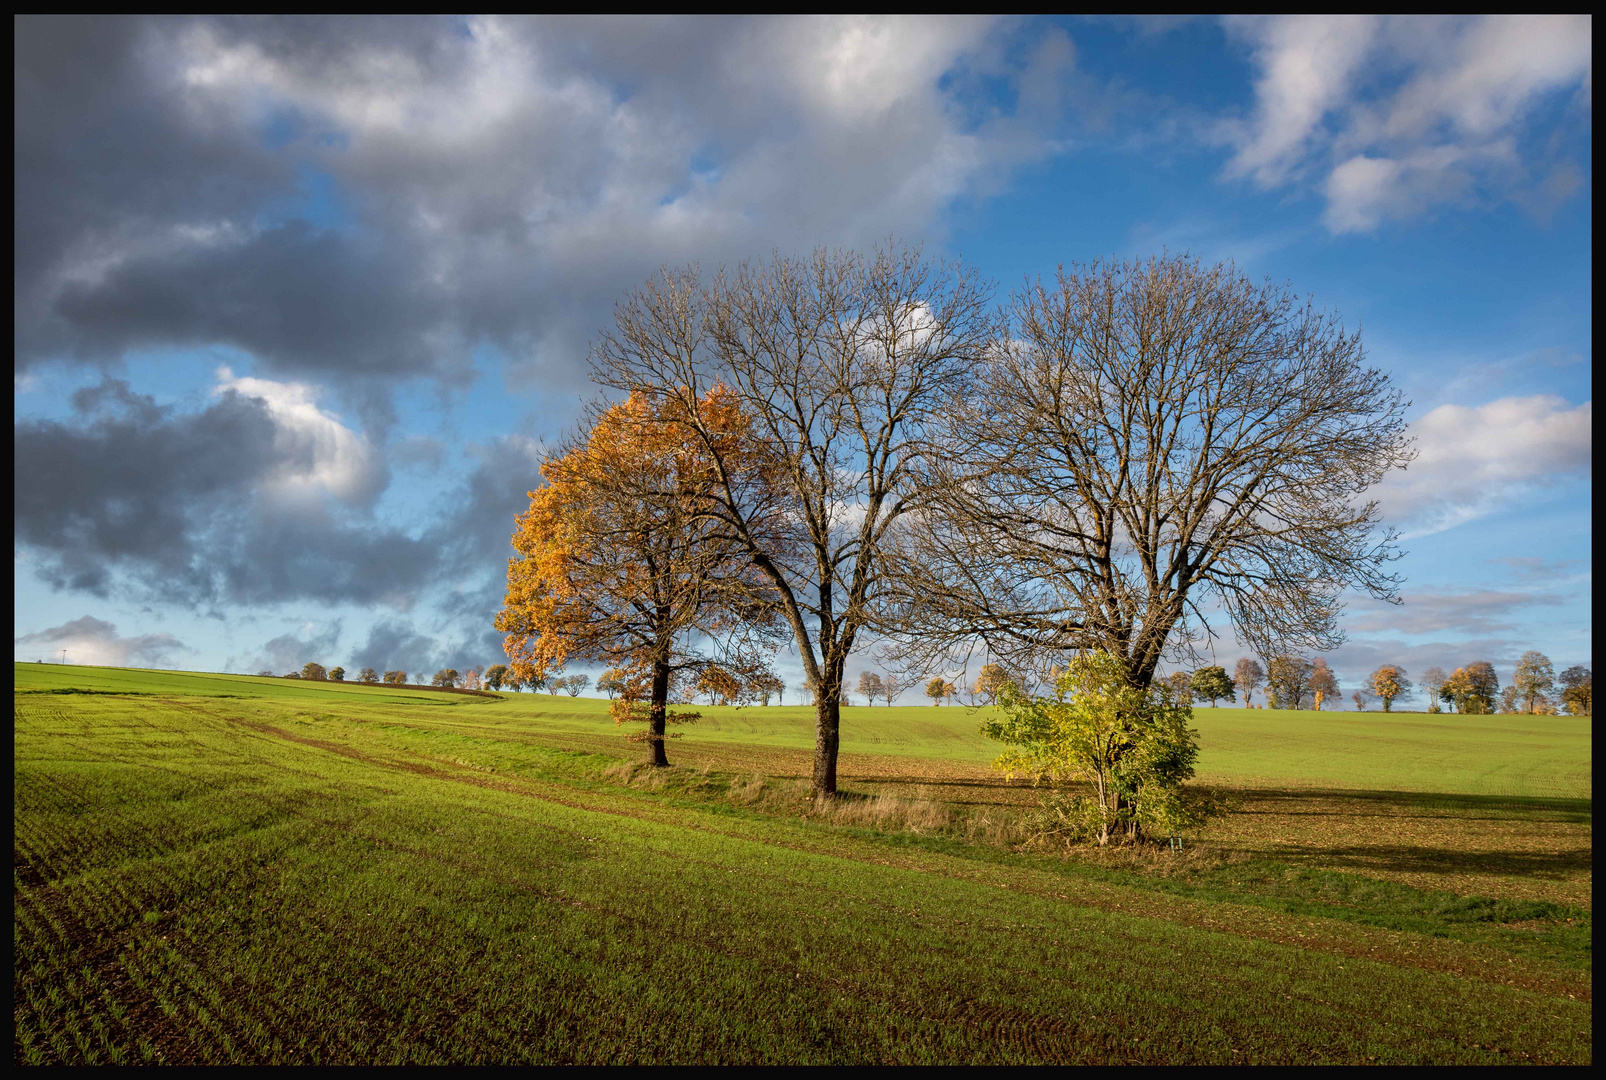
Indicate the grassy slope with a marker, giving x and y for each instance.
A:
(1542, 756)
(259, 870)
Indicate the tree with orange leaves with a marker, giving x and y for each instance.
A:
(619, 563)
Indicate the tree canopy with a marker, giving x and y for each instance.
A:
(1211, 684)
(619, 560)
(1146, 444)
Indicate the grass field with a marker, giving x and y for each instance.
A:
(225, 868)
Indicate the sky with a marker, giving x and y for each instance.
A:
(299, 303)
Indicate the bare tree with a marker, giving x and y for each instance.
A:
(1153, 444)
(1248, 677)
(843, 361)
(1432, 683)
(892, 685)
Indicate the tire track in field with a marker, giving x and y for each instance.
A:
(1356, 942)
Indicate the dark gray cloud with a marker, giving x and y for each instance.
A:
(372, 199)
(238, 502)
(288, 652)
(396, 645)
(88, 640)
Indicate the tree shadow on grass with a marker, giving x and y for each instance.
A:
(1404, 859)
(1322, 801)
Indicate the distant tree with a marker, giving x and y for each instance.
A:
(1323, 683)
(445, 677)
(611, 683)
(1432, 683)
(990, 683)
(292, 674)
(1472, 689)
(1576, 684)
(1534, 679)
(396, 678)
(938, 689)
(1288, 681)
(471, 678)
(1455, 690)
(721, 685)
(262, 674)
(870, 686)
(893, 685)
(1211, 684)
(1389, 682)
(1508, 700)
(554, 684)
(1248, 677)
(496, 676)
(1485, 685)
(764, 684)
(368, 675)
(337, 674)
(1180, 684)
(577, 684)
(313, 671)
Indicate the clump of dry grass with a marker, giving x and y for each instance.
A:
(885, 813)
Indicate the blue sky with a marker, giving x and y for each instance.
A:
(298, 303)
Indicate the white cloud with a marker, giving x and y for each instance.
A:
(88, 640)
(1475, 460)
(315, 450)
(1390, 118)
(1307, 64)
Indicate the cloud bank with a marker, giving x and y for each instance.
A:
(88, 640)
(1476, 460)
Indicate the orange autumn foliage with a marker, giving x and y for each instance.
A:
(618, 559)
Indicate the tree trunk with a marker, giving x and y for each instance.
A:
(658, 712)
(827, 737)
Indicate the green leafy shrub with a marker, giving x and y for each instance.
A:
(1131, 745)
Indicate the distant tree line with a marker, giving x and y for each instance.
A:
(1294, 682)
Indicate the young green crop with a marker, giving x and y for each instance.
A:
(205, 873)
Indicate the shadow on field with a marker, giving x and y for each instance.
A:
(1555, 866)
(1318, 801)
(1499, 845)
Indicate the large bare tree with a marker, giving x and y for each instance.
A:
(1152, 444)
(843, 361)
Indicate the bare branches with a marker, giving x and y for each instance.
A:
(1148, 444)
(844, 362)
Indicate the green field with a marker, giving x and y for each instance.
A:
(233, 869)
